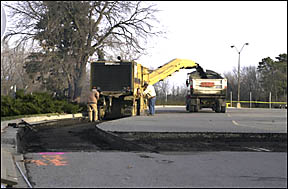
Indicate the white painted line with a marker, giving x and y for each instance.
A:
(259, 149)
(264, 149)
(235, 123)
(255, 149)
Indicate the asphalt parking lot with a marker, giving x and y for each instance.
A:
(77, 156)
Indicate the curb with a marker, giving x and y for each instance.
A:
(9, 147)
(8, 170)
(48, 118)
(38, 119)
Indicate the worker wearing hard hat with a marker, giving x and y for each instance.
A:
(150, 94)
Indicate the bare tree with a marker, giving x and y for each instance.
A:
(250, 83)
(162, 90)
(232, 82)
(12, 71)
(70, 32)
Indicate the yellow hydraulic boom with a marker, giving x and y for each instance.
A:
(119, 82)
(169, 68)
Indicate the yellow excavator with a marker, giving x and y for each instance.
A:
(118, 82)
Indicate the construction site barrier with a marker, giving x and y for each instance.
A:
(228, 104)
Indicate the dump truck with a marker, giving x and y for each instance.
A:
(206, 90)
(118, 82)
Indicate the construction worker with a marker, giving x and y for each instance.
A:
(138, 101)
(93, 97)
(150, 94)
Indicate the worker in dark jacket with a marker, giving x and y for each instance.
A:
(138, 101)
(93, 97)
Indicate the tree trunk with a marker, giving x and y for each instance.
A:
(80, 78)
(78, 85)
(71, 89)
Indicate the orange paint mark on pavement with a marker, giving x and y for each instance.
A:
(38, 162)
(56, 160)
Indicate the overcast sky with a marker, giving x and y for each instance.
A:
(203, 31)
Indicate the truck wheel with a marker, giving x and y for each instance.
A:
(191, 108)
(196, 108)
(223, 109)
(218, 107)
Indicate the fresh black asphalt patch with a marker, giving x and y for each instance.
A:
(79, 135)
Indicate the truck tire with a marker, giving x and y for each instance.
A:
(217, 110)
(223, 109)
(218, 106)
(196, 108)
(191, 108)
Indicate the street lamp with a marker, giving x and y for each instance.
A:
(239, 52)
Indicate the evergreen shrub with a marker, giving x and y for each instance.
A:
(36, 103)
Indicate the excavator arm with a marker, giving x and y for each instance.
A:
(173, 66)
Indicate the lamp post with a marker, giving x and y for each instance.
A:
(239, 52)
